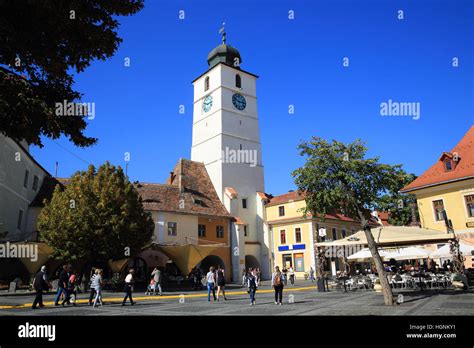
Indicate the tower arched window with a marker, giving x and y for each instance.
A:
(206, 83)
(238, 81)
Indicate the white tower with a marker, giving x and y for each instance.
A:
(226, 139)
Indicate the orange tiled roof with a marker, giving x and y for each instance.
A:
(286, 197)
(437, 175)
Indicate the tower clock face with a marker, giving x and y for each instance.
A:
(207, 103)
(239, 101)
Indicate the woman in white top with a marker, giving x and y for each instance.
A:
(211, 284)
(97, 284)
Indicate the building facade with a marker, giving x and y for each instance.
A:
(448, 187)
(22, 185)
(226, 139)
(293, 235)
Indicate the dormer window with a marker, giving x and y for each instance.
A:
(448, 165)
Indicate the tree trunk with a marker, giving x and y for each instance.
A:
(386, 289)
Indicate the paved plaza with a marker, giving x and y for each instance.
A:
(301, 299)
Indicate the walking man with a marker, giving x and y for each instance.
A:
(252, 285)
(291, 271)
(129, 287)
(40, 285)
(62, 284)
(311, 274)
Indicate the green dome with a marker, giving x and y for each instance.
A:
(224, 54)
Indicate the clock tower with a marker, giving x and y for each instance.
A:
(226, 139)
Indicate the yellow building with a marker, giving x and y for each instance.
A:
(292, 236)
(448, 186)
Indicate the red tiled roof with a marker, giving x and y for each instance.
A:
(196, 191)
(286, 197)
(437, 175)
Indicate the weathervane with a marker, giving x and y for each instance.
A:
(222, 31)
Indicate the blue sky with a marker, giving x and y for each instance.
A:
(299, 62)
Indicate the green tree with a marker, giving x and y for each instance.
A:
(98, 216)
(42, 43)
(401, 206)
(338, 178)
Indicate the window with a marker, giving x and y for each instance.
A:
(20, 219)
(25, 181)
(281, 211)
(172, 228)
(206, 83)
(238, 81)
(282, 237)
(343, 233)
(470, 205)
(438, 207)
(245, 230)
(220, 231)
(298, 235)
(201, 230)
(35, 183)
(244, 203)
(334, 233)
(448, 164)
(240, 147)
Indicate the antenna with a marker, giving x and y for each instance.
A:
(56, 169)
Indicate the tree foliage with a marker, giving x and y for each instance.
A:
(399, 205)
(42, 43)
(339, 178)
(95, 217)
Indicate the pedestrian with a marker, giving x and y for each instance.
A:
(211, 284)
(259, 276)
(311, 274)
(95, 272)
(220, 277)
(97, 285)
(291, 271)
(40, 285)
(284, 271)
(129, 281)
(244, 277)
(277, 283)
(156, 274)
(70, 291)
(62, 283)
(252, 285)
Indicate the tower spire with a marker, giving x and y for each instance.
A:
(222, 31)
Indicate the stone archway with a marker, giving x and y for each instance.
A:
(251, 262)
(211, 260)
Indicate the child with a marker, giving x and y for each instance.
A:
(151, 288)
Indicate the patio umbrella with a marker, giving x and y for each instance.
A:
(410, 253)
(466, 250)
(364, 254)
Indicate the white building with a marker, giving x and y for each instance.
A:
(23, 184)
(226, 139)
